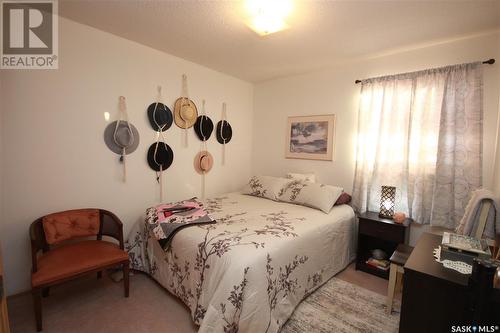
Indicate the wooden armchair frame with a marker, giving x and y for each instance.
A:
(109, 225)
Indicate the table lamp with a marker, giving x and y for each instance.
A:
(387, 201)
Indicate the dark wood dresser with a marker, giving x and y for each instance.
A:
(434, 297)
(375, 232)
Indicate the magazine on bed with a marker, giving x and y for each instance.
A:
(166, 220)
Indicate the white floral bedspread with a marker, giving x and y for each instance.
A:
(248, 271)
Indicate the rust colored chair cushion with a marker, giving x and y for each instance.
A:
(75, 258)
(62, 226)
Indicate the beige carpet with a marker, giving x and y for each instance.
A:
(91, 305)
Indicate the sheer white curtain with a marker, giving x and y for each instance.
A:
(421, 132)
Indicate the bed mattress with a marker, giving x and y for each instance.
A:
(248, 271)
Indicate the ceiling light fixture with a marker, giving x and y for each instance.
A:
(268, 16)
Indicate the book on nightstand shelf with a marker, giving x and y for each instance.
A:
(379, 263)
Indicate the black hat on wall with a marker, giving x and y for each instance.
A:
(203, 127)
(160, 116)
(160, 154)
(224, 132)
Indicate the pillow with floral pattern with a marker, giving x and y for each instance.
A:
(266, 186)
(309, 194)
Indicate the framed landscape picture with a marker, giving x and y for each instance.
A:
(310, 137)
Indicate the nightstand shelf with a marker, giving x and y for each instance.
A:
(375, 232)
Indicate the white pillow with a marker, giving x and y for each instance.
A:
(309, 194)
(266, 186)
(308, 177)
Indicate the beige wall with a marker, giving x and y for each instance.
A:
(53, 157)
(333, 91)
(54, 154)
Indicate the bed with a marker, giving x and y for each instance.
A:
(249, 270)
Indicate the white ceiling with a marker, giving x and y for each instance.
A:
(213, 34)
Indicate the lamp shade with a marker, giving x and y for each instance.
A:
(387, 201)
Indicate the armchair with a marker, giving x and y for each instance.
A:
(69, 244)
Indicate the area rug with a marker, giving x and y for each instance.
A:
(340, 306)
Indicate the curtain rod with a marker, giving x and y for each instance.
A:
(486, 62)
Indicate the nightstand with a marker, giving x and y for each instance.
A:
(375, 232)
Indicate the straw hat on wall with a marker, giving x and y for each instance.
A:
(185, 112)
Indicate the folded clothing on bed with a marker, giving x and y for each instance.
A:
(166, 220)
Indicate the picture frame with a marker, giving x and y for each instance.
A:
(310, 137)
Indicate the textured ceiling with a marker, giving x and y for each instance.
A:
(213, 34)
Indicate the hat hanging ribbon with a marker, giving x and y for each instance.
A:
(203, 147)
(202, 120)
(203, 113)
(160, 156)
(203, 162)
(159, 178)
(223, 120)
(123, 143)
(185, 107)
(203, 179)
(159, 174)
(159, 115)
(185, 111)
(224, 132)
(159, 133)
(203, 126)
